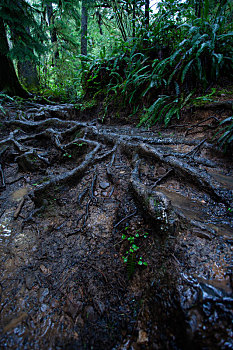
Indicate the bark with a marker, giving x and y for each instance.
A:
(27, 71)
(134, 18)
(84, 29)
(9, 82)
(53, 32)
(28, 74)
(147, 12)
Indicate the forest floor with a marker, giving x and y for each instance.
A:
(114, 237)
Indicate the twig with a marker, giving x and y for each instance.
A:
(2, 177)
(162, 178)
(82, 195)
(175, 258)
(93, 197)
(195, 149)
(125, 218)
(112, 190)
(1, 214)
(95, 268)
(18, 210)
(199, 124)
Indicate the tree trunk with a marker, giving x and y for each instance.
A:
(53, 32)
(147, 13)
(27, 71)
(84, 29)
(9, 82)
(134, 18)
(28, 74)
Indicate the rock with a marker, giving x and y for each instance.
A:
(43, 293)
(43, 307)
(105, 194)
(104, 185)
(30, 281)
(142, 337)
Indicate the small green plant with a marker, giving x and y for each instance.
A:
(131, 257)
(201, 100)
(79, 144)
(67, 155)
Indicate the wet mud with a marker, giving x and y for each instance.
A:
(112, 237)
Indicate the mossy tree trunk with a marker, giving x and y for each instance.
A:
(53, 32)
(9, 82)
(147, 12)
(84, 29)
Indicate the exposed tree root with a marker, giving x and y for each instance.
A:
(88, 205)
(72, 175)
(62, 135)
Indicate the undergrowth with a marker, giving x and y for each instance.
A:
(156, 74)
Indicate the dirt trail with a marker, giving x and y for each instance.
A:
(113, 237)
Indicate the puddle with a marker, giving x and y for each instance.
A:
(190, 208)
(200, 213)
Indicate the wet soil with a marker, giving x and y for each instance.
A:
(113, 237)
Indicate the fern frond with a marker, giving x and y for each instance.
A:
(185, 70)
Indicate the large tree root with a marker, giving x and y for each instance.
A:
(72, 175)
(89, 204)
(62, 134)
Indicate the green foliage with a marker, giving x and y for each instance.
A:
(202, 100)
(4, 98)
(19, 15)
(131, 257)
(226, 132)
(199, 52)
(187, 45)
(164, 109)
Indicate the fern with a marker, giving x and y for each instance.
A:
(226, 138)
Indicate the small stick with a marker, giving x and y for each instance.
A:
(93, 197)
(198, 124)
(162, 178)
(195, 149)
(82, 195)
(125, 218)
(112, 190)
(18, 210)
(2, 177)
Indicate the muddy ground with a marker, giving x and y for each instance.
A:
(114, 237)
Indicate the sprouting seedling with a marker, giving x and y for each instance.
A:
(140, 262)
(130, 258)
(67, 155)
(79, 144)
